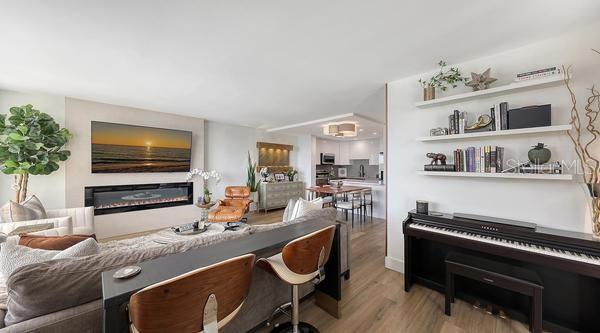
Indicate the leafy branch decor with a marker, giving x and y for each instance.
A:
(443, 80)
(251, 174)
(31, 143)
(584, 136)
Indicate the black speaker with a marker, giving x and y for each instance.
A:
(530, 116)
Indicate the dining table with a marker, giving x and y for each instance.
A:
(332, 191)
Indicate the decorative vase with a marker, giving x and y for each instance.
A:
(207, 198)
(428, 93)
(539, 154)
(254, 204)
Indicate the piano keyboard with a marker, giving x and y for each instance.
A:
(580, 257)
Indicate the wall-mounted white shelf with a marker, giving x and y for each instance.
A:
(497, 175)
(520, 131)
(513, 87)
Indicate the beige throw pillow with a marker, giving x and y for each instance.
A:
(30, 209)
(304, 206)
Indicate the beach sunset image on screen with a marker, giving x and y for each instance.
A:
(120, 148)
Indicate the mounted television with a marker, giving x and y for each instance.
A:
(120, 148)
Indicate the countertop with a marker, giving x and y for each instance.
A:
(369, 182)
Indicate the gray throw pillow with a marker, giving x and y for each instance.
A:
(30, 209)
(13, 256)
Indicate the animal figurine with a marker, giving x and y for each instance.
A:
(437, 158)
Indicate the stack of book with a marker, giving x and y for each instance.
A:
(489, 159)
(457, 122)
(538, 74)
(499, 114)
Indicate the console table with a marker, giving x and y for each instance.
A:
(277, 195)
(116, 293)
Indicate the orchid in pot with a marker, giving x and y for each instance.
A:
(206, 176)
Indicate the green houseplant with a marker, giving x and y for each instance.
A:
(251, 182)
(31, 143)
(443, 80)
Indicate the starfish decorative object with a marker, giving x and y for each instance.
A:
(481, 81)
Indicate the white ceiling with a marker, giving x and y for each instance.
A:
(367, 128)
(259, 63)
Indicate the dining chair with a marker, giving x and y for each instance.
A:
(367, 201)
(353, 202)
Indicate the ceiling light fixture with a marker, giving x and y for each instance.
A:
(341, 130)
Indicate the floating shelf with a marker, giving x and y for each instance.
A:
(532, 130)
(512, 87)
(497, 175)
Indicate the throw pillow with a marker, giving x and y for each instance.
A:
(13, 256)
(52, 242)
(305, 206)
(25, 229)
(84, 248)
(30, 209)
(289, 209)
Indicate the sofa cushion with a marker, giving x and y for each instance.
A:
(302, 207)
(30, 209)
(14, 256)
(289, 209)
(52, 242)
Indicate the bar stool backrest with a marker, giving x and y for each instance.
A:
(303, 255)
(196, 301)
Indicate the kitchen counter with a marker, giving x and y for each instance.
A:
(361, 181)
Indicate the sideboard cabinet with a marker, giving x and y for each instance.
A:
(277, 195)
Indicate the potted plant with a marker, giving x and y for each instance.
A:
(585, 138)
(443, 80)
(31, 143)
(206, 177)
(290, 174)
(252, 183)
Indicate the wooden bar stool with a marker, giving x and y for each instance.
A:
(202, 300)
(301, 261)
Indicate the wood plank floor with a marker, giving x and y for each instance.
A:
(374, 299)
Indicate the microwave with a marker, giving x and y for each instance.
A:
(327, 158)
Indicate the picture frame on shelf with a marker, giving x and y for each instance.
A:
(279, 177)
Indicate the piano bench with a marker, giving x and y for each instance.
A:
(516, 279)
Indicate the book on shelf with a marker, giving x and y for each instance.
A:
(538, 74)
(433, 167)
(547, 168)
(486, 159)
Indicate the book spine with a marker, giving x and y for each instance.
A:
(497, 117)
(504, 115)
(493, 156)
(456, 122)
(451, 124)
(462, 160)
(481, 159)
(493, 115)
(477, 160)
(500, 159)
(534, 75)
(461, 123)
(543, 70)
(487, 159)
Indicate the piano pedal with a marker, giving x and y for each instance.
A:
(489, 310)
(502, 314)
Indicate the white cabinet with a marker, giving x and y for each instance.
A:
(328, 147)
(365, 150)
(344, 157)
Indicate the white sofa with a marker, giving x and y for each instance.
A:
(66, 222)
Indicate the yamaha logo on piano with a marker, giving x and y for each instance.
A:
(489, 228)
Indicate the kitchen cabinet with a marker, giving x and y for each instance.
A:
(365, 150)
(344, 156)
(328, 147)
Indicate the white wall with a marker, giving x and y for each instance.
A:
(79, 114)
(227, 149)
(549, 203)
(50, 188)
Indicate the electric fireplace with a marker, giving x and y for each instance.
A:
(126, 198)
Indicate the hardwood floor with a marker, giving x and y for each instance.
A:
(374, 299)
